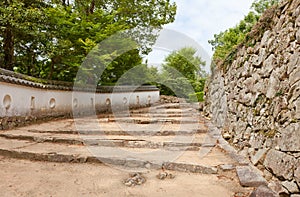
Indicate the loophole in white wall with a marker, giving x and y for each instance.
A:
(125, 100)
(7, 101)
(32, 103)
(52, 103)
(75, 102)
(107, 102)
(149, 100)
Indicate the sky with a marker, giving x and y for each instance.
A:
(196, 22)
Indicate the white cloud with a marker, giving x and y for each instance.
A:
(202, 19)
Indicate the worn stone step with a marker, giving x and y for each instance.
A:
(152, 120)
(90, 127)
(162, 110)
(94, 124)
(183, 143)
(123, 132)
(175, 106)
(147, 115)
(129, 164)
(142, 158)
(164, 140)
(151, 112)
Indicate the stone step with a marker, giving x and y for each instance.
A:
(162, 110)
(180, 143)
(92, 126)
(176, 106)
(123, 157)
(131, 120)
(169, 136)
(124, 132)
(146, 115)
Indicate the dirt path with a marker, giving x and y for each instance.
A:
(27, 178)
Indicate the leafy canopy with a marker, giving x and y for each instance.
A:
(183, 73)
(185, 62)
(224, 42)
(51, 38)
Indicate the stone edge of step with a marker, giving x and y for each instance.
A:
(244, 167)
(129, 163)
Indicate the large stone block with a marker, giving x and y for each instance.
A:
(258, 60)
(263, 191)
(268, 66)
(265, 38)
(273, 86)
(294, 92)
(291, 186)
(293, 62)
(281, 164)
(297, 114)
(249, 178)
(297, 172)
(294, 76)
(258, 156)
(277, 187)
(290, 138)
(298, 36)
(298, 21)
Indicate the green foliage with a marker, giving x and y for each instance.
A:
(196, 97)
(182, 73)
(185, 63)
(260, 6)
(51, 39)
(225, 42)
(199, 84)
(20, 24)
(138, 75)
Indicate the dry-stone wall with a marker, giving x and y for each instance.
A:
(255, 99)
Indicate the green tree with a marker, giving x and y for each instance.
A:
(224, 42)
(50, 39)
(20, 24)
(73, 36)
(121, 65)
(260, 6)
(185, 62)
(183, 69)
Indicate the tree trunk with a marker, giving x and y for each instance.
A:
(92, 7)
(50, 75)
(8, 47)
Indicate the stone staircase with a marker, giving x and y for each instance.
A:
(168, 136)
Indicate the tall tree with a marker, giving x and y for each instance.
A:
(50, 39)
(224, 42)
(185, 62)
(259, 6)
(183, 73)
(18, 20)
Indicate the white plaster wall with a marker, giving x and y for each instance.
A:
(26, 101)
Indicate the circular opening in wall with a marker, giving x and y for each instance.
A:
(92, 102)
(75, 103)
(52, 103)
(125, 100)
(107, 102)
(149, 100)
(7, 101)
